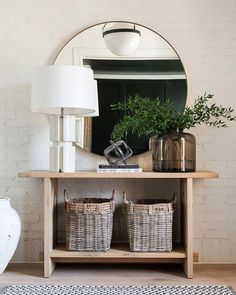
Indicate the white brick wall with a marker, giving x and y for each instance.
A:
(202, 32)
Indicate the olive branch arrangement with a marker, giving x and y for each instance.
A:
(145, 116)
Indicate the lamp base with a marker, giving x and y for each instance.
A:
(62, 157)
(62, 152)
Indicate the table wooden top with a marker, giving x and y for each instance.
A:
(117, 175)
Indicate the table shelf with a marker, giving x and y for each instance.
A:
(118, 253)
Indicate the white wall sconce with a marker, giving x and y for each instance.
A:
(63, 92)
(121, 38)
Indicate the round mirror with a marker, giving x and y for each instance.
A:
(151, 68)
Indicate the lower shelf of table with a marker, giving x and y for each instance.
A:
(117, 254)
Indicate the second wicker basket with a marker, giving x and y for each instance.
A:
(149, 224)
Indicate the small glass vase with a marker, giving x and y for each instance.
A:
(174, 151)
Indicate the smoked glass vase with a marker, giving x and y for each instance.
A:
(174, 151)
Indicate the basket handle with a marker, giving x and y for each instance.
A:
(125, 201)
(174, 198)
(66, 196)
(124, 197)
(113, 195)
(66, 199)
(113, 199)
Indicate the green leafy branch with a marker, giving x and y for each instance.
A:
(145, 116)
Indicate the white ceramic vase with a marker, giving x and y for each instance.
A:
(10, 229)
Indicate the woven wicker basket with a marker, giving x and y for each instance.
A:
(149, 224)
(89, 223)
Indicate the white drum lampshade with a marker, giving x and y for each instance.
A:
(70, 88)
(122, 38)
(95, 113)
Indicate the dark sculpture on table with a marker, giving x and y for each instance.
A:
(117, 153)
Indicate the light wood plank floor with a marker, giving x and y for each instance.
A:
(114, 274)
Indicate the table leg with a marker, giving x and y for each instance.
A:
(50, 197)
(186, 188)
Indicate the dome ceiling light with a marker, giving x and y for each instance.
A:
(121, 39)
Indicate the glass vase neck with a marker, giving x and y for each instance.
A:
(175, 130)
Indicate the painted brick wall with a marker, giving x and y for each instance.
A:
(202, 32)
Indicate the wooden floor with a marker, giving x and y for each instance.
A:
(114, 274)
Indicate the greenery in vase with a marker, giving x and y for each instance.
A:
(145, 116)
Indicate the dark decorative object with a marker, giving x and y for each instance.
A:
(174, 151)
(118, 153)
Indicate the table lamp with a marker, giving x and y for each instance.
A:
(63, 92)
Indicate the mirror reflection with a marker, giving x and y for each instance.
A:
(152, 70)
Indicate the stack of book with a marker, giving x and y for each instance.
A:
(119, 168)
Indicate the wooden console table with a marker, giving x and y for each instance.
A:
(56, 253)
